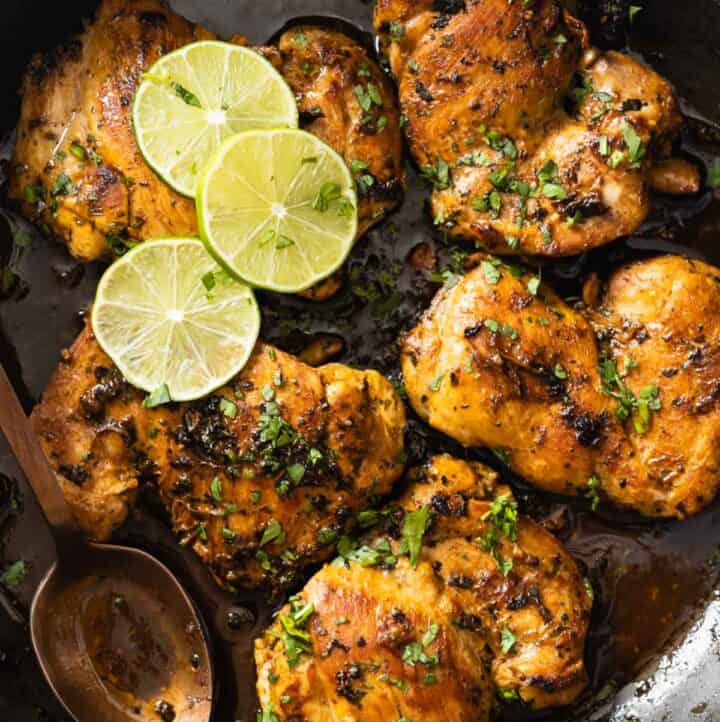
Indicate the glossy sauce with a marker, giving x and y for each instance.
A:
(650, 578)
(120, 648)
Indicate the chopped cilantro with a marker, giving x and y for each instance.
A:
(636, 149)
(273, 533)
(216, 489)
(492, 275)
(228, 408)
(438, 176)
(414, 527)
(328, 193)
(78, 151)
(397, 31)
(502, 518)
(185, 95)
(591, 494)
(62, 185)
(507, 694)
(507, 640)
(160, 396)
(14, 575)
(327, 535)
(296, 639)
(414, 653)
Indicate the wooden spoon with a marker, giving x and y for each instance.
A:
(117, 637)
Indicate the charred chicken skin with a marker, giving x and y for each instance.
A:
(453, 598)
(617, 401)
(78, 171)
(535, 142)
(260, 478)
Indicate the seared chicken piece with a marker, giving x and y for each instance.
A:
(491, 603)
(535, 143)
(622, 401)
(260, 478)
(346, 100)
(77, 168)
(76, 165)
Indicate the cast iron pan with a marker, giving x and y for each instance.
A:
(657, 586)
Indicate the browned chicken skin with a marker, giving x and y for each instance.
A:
(522, 157)
(387, 641)
(78, 169)
(619, 402)
(260, 478)
(83, 100)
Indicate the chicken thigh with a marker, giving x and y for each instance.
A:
(535, 143)
(78, 171)
(621, 401)
(453, 598)
(261, 478)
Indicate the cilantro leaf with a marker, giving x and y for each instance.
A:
(414, 527)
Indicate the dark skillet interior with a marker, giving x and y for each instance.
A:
(651, 579)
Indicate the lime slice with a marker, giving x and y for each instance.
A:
(171, 318)
(195, 97)
(278, 208)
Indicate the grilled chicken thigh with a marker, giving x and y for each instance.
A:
(260, 478)
(489, 602)
(535, 142)
(77, 168)
(346, 100)
(620, 401)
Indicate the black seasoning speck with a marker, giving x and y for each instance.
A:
(238, 617)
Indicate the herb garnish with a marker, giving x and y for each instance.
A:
(216, 489)
(160, 396)
(438, 176)
(414, 527)
(502, 516)
(273, 534)
(640, 406)
(591, 494)
(414, 653)
(185, 95)
(379, 555)
(507, 694)
(295, 637)
(507, 640)
(14, 575)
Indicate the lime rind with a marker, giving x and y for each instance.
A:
(259, 185)
(237, 90)
(160, 324)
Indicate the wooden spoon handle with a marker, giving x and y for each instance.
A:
(26, 446)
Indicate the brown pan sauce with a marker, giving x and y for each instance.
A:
(650, 578)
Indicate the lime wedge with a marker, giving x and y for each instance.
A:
(277, 208)
(195, 97)
(171, 318)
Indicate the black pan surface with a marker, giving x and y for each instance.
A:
(653, 580)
